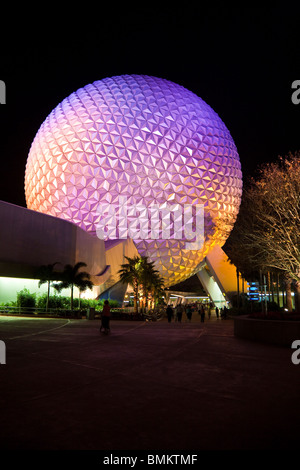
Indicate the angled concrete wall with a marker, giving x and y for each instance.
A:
(224, 272)
(115, 253)
(211, 287)
(29, 239)
(218, 277)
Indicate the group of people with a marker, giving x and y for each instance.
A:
(204, 310)
(177, 313)
(179, 310)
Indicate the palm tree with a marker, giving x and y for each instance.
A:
(140, 273)
(157, 289)
(150, 279)
(71, 277)
(46, 274)
(130, 274)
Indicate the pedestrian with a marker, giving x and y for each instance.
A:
(105, 317)
(199, 309)
(224, 316)
(217, 312)
(169, 313)
(179, 313)
(202, 313)
(189, 313)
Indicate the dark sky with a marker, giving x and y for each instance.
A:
(240, 60)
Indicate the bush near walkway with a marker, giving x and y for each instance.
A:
(25, 299)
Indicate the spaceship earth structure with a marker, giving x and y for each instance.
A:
(148, 140)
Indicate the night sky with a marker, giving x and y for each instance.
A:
(240, 60)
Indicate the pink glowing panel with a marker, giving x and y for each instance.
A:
(146, 139)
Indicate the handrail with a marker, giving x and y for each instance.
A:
(58, 312)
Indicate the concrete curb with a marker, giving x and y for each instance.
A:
(277, 332)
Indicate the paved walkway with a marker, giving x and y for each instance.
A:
(147, 386)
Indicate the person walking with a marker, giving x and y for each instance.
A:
(202, 313)
(189, 313)
(217, 311)
(224, 314)
(169, 313)
(105, 317)
(179, 313)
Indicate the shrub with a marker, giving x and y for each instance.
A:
(25, 299)
(112, 303)
(9, 303)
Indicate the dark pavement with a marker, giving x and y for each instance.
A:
(145, 386)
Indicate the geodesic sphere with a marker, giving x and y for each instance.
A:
(148, 140)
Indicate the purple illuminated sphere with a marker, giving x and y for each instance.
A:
(144, 138)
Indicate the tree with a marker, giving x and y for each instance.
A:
(140, 273)
(278, 215)
(46, 274)
(150, 280)
(157, 290)
(71, 276)
(267, 230)
(130, 274)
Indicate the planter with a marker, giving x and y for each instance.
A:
(278, 332)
